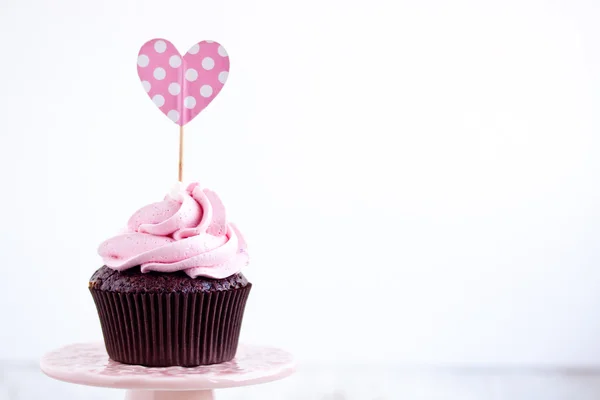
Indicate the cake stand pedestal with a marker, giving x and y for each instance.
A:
(88, 364)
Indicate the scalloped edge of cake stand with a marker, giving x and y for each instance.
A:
(88, 364)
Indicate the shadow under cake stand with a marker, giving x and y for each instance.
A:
(88, 364)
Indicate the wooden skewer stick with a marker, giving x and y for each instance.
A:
(181, 153)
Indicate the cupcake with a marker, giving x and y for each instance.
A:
(171, 292)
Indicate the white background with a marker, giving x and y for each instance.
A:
(417, 180)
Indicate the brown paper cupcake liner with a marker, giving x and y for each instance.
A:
(167, 329)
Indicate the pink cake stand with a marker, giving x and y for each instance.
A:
(88, 364)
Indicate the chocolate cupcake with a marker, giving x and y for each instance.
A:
(171, 292)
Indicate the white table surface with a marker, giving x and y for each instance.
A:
(24, 381)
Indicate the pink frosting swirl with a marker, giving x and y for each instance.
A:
(186, 231)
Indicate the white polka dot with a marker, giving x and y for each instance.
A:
(221, 51)
(206, 91)
(158, 100)
(223, 76)
(208, 63)
(146, 86)
(191, 74)
(143, 60)
(159, 73)
(174, 88)
(160, 46)
(209, 41)
(194, 49)
(175, 61)
(189, 102)
(173, 115)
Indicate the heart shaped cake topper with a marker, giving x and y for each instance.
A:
(181, 87)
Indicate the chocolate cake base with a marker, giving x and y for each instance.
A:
(160, 320)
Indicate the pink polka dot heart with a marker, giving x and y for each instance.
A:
(181, 87)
